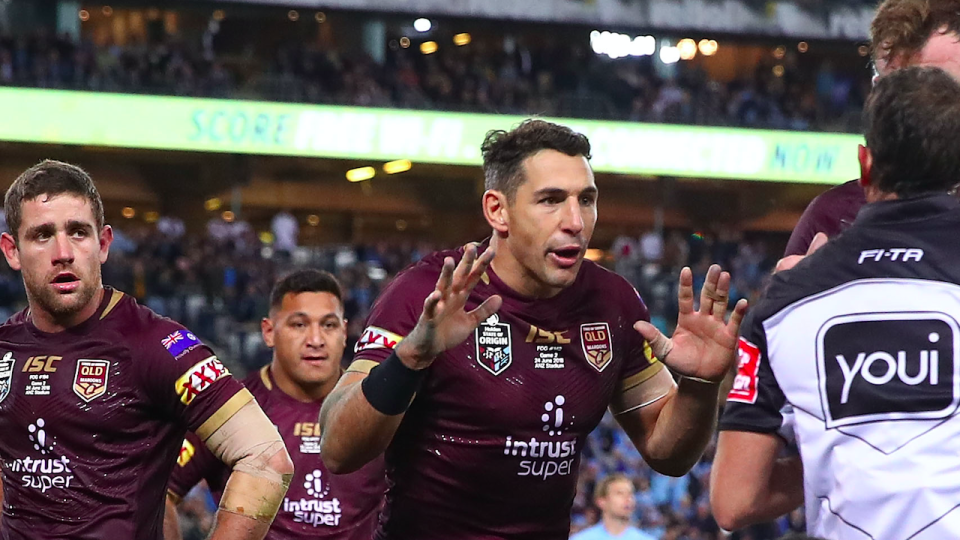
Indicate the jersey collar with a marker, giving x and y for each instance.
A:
(109, 301)
(916, 208)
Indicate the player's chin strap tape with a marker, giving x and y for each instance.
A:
(390, 387)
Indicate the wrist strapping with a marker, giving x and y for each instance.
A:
(390, 387)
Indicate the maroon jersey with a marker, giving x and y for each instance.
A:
(490, 447)
(92, 417)
(318, 504)
(831, 212)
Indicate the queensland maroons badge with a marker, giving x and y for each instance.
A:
(494, 345)
(597, 344)
(90, 381)
(6, 374)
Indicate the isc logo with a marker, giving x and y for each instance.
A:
(306, 429)
(888, 366)
(544, 337)
(46, 364)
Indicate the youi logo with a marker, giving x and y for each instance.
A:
(888, 366)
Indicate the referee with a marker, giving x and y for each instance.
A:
(862, 339)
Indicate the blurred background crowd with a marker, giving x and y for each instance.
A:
(508, 75)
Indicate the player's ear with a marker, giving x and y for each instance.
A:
(495, 210)
(10, 252)
(866, 165)
(266, 330)
(106, 238)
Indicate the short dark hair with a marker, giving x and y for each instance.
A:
(51, 178)
(912, 121)
(603, 486)
(901, 28)
(504, 151)
(301, 281)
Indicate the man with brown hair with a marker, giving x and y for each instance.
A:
(615, 497)
(481, 379)
(862, 340)
(903, 33)
(97, 392)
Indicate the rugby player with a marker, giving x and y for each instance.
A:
(307, 332)
(863, 345)
(482, 375)
(904, 33)
(97, 392)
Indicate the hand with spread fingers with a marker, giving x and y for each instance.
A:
(703, 345)
(445, 323)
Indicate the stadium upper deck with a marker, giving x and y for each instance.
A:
(277, 54)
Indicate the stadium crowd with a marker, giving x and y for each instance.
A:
(218, 284)
(561, 78)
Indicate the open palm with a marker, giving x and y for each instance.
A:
(703, 344)
(444, 322)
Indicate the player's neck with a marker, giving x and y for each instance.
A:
(304, 393)
(47, 322)
(514, 275)
(874, 194)
(615, 526)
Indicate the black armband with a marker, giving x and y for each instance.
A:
(390, 387)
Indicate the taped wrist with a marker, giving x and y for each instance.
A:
(390, 387)
(250, 445)
(255, 497)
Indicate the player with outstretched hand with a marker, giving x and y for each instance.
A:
(97, 392)
(482, 370)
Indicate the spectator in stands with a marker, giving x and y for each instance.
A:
(615, 499)
(285, 231)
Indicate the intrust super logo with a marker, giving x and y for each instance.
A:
(888, 366)
(315, 511)
(47, 472)
(199, 378)
(550, 455)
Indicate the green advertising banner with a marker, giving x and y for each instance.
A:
(253, 127)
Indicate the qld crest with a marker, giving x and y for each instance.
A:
(597, 344)
(494, 345)
(90, 382)
(6, 374)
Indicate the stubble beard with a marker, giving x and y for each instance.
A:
(62, 306)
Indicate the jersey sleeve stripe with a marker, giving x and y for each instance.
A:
(640, 378)
(224, 413)
(362, 366)
(114, 300)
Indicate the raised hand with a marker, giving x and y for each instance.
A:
(444, 322)
(703, 345)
